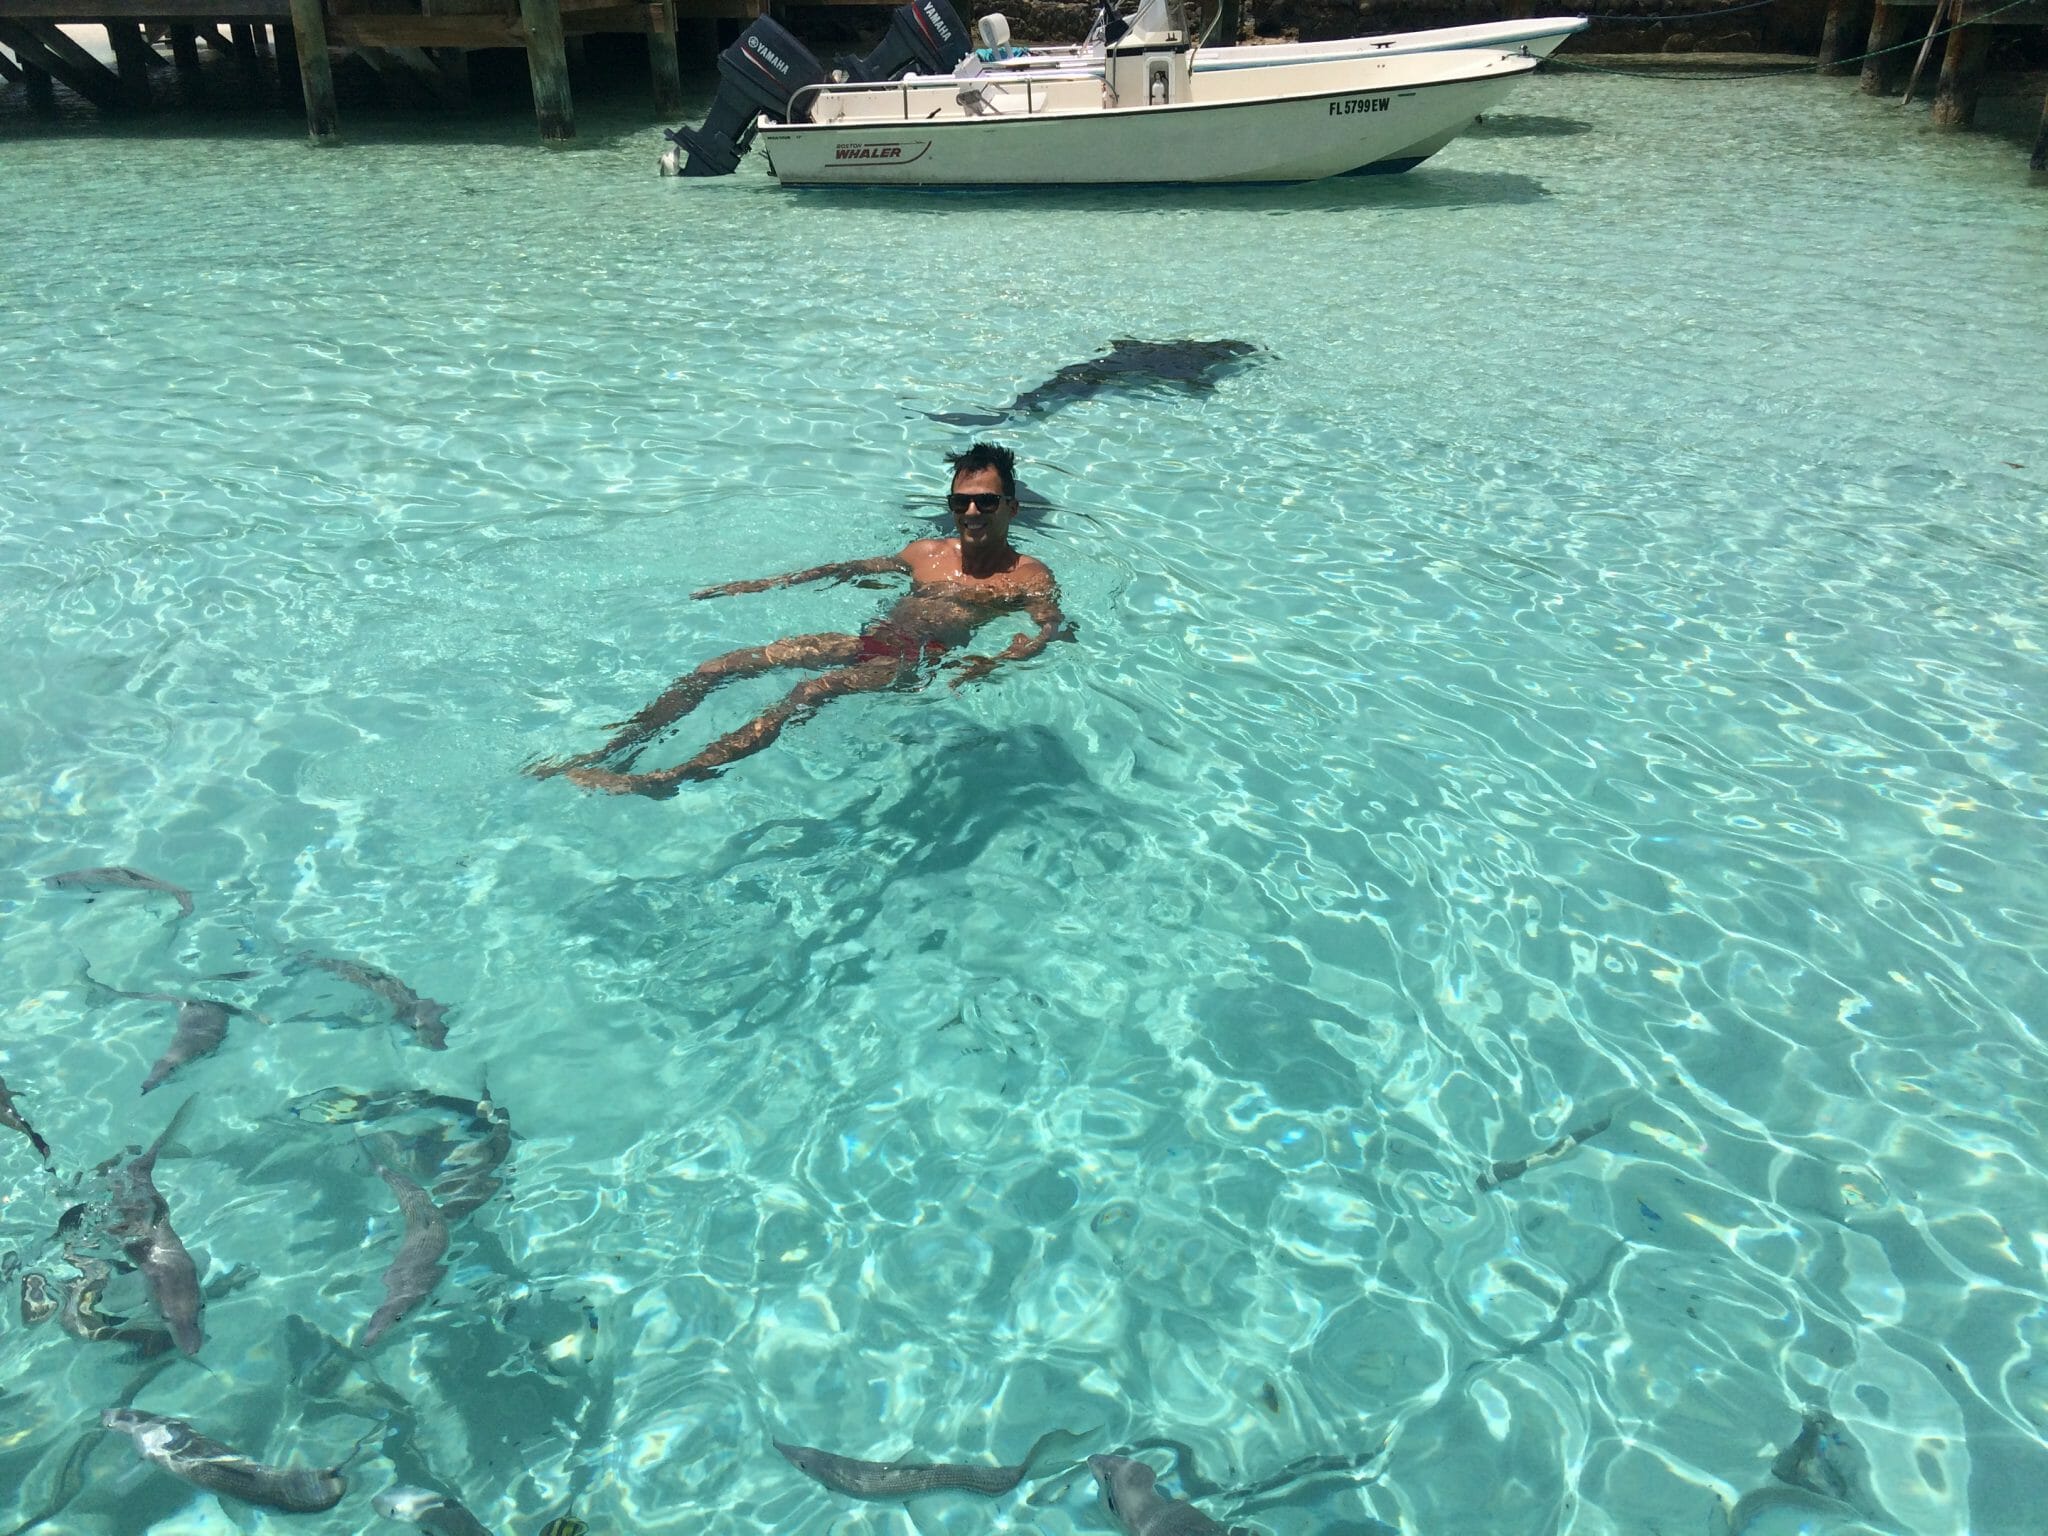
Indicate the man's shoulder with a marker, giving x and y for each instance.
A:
(924, 548)
(1032, 569)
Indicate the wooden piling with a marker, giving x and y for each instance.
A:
(185, 49)
(9, 70)
(244, 36)
(43, 45)
(1962, 77)
(1934, 29)
(1847, 24)
(663, 65)
(1887, 30)
(1229, 24)
(316, 79)
(42, 90)
(547, 63)
(2040, 161)
(454, 66)
(132, 54)
(284, 54)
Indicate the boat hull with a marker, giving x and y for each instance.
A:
(1352, 117)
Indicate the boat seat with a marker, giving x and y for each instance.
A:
(969, 95)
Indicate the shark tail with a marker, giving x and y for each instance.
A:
(166, 1142)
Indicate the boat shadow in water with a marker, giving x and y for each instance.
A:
(1527, 125)
(1426, 189)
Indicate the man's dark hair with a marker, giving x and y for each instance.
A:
(987, 456)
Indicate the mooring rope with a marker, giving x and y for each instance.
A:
(1789, 69)
(1647, 21)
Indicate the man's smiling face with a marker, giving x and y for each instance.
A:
(981, 512)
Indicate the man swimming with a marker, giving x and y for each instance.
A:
(956, 586)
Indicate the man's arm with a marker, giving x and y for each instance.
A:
(839, 570)
(1044, 609)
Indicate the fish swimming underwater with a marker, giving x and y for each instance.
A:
(429, 1511)
(12, 1119)
(893, 1480)
(183, 1452)
(422, 1015)
(1500, 1173)
(119, 877)
(38, 1306)
(1192, 366)
(460, 1177)
(82, 1318)
(418, 1268)
(202, 1026)
(1140, 1508)
(144, 1229)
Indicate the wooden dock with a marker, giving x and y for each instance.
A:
(421, 45)
(1957, 33)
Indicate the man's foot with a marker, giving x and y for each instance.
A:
(548, 767)
(656, 786)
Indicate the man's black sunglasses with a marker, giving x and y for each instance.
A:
(981, 501)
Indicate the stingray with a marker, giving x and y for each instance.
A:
(1193, 366)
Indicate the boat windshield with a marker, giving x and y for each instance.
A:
(1149, 21)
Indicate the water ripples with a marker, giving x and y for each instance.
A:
(1494, 987)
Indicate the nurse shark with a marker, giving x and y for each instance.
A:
(1192, 366)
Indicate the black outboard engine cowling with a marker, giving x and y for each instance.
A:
(926, 34)
(758, 74)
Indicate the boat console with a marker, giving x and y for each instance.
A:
(1147, 62)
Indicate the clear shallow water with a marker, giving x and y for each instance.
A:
(1592, 671)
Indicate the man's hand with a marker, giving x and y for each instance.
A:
(733, 588)
(838, 570)
(972, 669)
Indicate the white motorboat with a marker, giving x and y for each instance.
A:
(1142, 120)
(1134, 110)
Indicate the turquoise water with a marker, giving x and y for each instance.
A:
(1591, 672)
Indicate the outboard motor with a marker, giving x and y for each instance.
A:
(757, 75)
(925, 35)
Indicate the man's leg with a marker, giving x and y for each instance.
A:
(691, 689)
(801, 702)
